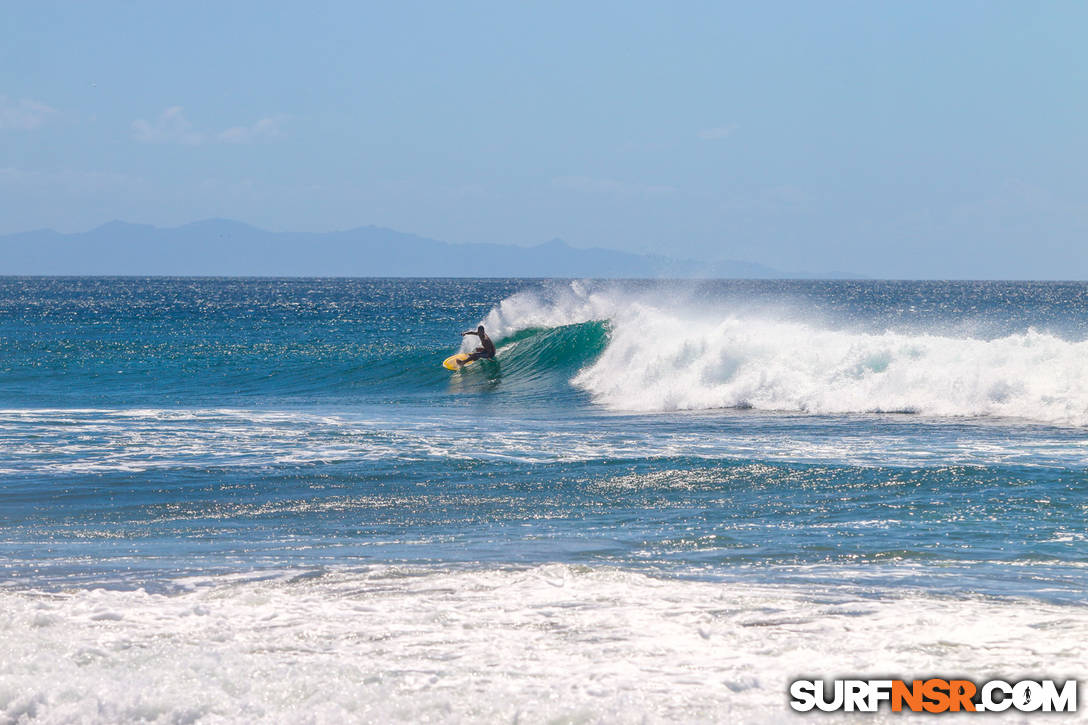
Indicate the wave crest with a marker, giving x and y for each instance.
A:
(665, 353)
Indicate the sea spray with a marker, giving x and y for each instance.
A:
(668, 351)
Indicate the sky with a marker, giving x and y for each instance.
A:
(891, 139)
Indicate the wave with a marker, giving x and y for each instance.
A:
(396, 644)
(535, 351)
(666, 352)
(57, 443)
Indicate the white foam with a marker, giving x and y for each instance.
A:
(551, 643)
(667, 353)
(52, 442)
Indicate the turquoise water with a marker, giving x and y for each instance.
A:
(899, 442)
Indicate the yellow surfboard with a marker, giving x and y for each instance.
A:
(450, 363)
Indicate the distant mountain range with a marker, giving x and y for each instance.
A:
(221, 247)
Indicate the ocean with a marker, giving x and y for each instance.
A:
(264, 500)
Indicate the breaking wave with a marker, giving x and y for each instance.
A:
(651, 351)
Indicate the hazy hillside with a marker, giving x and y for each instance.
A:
(222, 247)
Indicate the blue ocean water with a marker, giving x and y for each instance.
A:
(900, 443)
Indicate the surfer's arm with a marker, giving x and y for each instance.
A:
(469, 332)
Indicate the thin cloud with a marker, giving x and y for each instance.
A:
(719, 132)
(171, 127)
(24, 114)
(266, 129)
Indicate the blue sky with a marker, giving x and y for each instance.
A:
(909, 139)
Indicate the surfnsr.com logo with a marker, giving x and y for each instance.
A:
(933, 695)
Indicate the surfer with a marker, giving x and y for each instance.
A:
(486, 349)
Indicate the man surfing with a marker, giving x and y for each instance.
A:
(486, 350)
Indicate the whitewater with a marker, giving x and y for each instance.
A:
(665, 353)
(262, 500)
(417, 645)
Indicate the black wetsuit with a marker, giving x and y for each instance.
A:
(485, 350)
